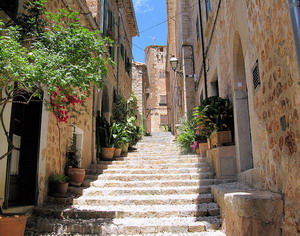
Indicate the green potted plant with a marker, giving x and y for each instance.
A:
(120, 137)
(75, 174)
(186, 135)
(106, 140)
(58, 185)
(214, 118)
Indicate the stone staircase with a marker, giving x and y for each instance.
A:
(152, 191)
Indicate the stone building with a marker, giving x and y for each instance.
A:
(140, 87)
(28, 185)
(244, 51)
(156, 107)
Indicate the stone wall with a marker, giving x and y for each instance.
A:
(156, 105)
(238, 34)
(140, 84)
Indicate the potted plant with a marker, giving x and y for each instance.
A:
(120, 137)
(12, 224)
(214, 118)
(186, 136)
(106, 140)
(74, 172)
(58, 185)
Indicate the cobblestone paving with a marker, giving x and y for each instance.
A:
(152, 191)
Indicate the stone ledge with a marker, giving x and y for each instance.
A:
(248, 212)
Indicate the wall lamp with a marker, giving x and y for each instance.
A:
(174, 64)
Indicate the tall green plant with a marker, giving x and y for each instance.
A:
(186, 135)
(215, 114)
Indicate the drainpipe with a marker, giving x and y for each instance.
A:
(203, 50)
(294, 6)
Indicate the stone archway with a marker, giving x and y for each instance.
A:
(241, 109)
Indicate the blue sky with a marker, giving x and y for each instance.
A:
(149, 13)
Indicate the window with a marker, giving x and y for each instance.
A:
(163, 119)
(162, 74)
(215, 88)
(207, 7)
(163, 100)
(255, 74)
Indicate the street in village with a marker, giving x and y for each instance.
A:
(151, 190)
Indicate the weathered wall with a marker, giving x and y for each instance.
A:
(139, 85)
(155, 61)
(247, 31)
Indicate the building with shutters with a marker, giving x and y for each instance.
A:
(24, 180)
(245, 51)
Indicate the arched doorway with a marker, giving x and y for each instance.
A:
(241, 109)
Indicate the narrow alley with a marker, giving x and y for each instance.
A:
(153, 190)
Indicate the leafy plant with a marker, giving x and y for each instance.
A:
(186, 135)
(120, 135)
(58, 178)
(104, 132)
(215, 114)
(135, 132)
(63, 60)
(73, 155)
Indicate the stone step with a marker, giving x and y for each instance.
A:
(125, 211)
(121, 191)
(133, 177)
(173, 199)
(149, 156)
(124, 226)
(155, 162)
(149, 171)
(140, 166)
(151, 183)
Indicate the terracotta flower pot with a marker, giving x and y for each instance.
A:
(12, 225)
(76, 176)
(118, 152)
(217, 139)
(107, 153)
(58, 189)
(125, 148)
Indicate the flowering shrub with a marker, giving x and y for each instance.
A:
(63, 104)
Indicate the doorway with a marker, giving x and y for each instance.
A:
(241, 110)
(25, 128)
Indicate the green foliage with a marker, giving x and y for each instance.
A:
(215, 114)
(124, 116)
(135, 132)
(120, 135)
(73, 155)
(120, 110)
(186, 135)
(104, 132)
(58, 178)
(63, 59)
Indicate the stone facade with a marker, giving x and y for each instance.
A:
(55, 137)
(140, 87)
(156, 107)
(240, 39)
